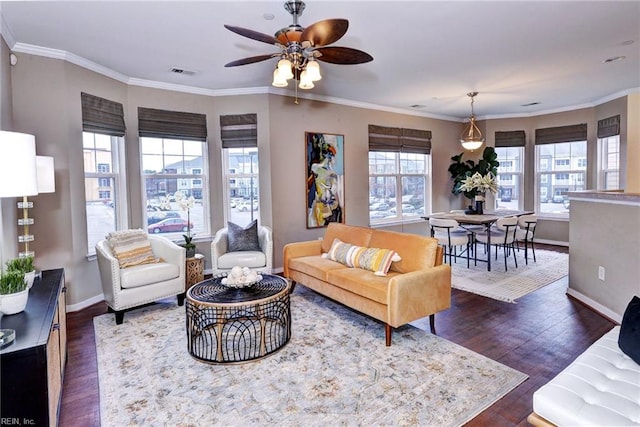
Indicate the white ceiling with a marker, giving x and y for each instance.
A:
(425, 53)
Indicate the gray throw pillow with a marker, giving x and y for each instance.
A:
(242, 239)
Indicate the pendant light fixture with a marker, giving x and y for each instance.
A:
(471, 138)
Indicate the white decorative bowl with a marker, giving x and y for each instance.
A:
(14, 303)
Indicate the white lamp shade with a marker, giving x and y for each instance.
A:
(284, 69)
(278, 81)
(313, 71)
(46, 174)
(18, 176)
(305, 81)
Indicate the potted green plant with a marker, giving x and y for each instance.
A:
(13, 292)
(475, 179)
(186, 203)
(23, 265)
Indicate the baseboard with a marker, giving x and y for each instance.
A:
(84, 304)
(596, 306)
(551, 242)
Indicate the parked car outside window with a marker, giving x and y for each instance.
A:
(159, 216)
(170, 225)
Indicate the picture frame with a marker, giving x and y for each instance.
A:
(324, 160)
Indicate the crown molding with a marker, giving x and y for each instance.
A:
(100, 69)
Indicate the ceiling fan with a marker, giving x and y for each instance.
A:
(300, 48)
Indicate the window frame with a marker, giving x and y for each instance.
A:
(550, 184)
(603, 157)
(398, 175)
(184, 181)
(118, 197)
(231, 174)
(516, 163)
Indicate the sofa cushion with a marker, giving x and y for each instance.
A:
(629, 339)
(373, 259)
(359, 236)
(417, 252)
(146, 274)
(315, 266)
(242, 239)
(363, 283)
(251, 259)
(131, 248)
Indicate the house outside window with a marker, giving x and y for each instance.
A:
(399, 174)
(104, 168)
(569, 158)
(510, 177)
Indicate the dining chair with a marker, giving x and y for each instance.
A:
(503, 236)
(525, 232)
(450, 235)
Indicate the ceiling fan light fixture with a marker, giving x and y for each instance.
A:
(313, 70)
(471, 138)
(305, 81)
(284, 69)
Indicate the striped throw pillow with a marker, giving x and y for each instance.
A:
(372, 259)
(131, 247)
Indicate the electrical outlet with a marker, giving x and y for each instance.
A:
(601, 273)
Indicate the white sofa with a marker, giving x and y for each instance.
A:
(600, 388)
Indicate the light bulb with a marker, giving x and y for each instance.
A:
(305, 82)
(277, 80)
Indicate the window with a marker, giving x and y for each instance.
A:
(553, 185)
(565, 148)
(169, 165)
(609, 163)
(242, 184)
(104, 173)
(239, 136)
(102, 185)
(173, 149)
(510, 177)
(399, 174)
(609, 153)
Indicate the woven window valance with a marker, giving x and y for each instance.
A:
(382, 138)
(555, 135)
(239, 130)
(155, 123)
(514, 138)
(609, 127)
(102, 116)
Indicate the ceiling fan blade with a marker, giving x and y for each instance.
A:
(250, 60)
(342, 55)
(325, 32)
(254, 35)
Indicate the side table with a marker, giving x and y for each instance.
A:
(194, 271)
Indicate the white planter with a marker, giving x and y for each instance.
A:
(29, 278)
(14, 303)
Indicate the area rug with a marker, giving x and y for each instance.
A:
(336, 370)
(515, 282)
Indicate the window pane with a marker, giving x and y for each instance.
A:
(568, 161)
(382, 190)
(171, 166)
(382, 163)
(510, 176)
(413, 195)
(100, 209)
(412, 163)
(242, 184)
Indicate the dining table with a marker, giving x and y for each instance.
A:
(486, 219)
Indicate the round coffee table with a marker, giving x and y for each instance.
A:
(229, 325)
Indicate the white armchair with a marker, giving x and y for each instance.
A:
(137, 285)
(261, 261)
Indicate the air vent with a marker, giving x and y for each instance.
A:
(530, 104)
(416, 106)
(182, 71)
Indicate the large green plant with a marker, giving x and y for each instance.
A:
(460, 169)
(12, 282)
(24, 264)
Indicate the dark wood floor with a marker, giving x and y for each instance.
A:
(540, 336)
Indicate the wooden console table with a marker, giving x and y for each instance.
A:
(32, 367)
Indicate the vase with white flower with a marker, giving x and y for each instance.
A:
(478, 185)
(186, 204)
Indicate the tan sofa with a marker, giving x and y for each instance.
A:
(417, 286)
